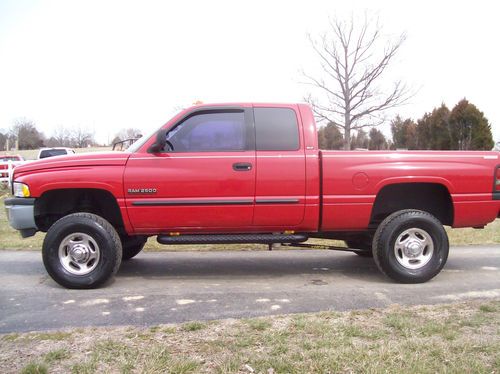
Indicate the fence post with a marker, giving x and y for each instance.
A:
(10, 170)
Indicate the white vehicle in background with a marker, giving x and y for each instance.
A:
(7, 165)
(55, 151)
(496, 147)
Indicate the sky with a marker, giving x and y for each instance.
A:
(108, 65)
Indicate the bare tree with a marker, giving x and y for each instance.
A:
(128, 133)
(25, 132)
(62, 137)
(3, 141)
(353, 58)
(81, 137)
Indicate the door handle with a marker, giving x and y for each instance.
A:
(242, 166)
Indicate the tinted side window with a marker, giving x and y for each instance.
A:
(210, 132)
(276, 129)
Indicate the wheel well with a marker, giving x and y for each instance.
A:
(429, 197)
(55, 204)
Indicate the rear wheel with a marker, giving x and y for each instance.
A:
(132, 245)
(410, 246)
(81, 250)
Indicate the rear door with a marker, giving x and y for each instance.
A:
(203, 181)
(281, 172)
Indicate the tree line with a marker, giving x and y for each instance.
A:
(24, 134)
(350, 96)
(464, 127)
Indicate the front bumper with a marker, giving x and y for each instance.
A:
(21, 215)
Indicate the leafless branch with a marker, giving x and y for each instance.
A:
(353, 59)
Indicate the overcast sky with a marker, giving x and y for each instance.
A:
(109, 65)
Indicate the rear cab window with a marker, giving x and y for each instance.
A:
(276, 129)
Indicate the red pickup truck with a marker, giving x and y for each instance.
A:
(250, 173)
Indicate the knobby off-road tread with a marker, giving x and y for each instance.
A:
(387, 221)
(107, 227)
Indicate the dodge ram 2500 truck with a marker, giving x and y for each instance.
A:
(250, 173)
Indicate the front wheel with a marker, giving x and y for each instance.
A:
(81, 250)
(410, 246)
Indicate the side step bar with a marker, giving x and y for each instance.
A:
(232, 239)
(321, 246)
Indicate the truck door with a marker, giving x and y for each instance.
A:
(203, 181)
(281, 172)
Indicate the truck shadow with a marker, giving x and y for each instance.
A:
(250, 264)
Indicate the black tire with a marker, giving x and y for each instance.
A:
(102, 242)
(364, 244)
(132, 245)
(426, 249)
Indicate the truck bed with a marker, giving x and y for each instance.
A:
(352, 180)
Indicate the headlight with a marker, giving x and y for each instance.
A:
(20, 189)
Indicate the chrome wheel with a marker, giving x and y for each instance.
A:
(79, 253)
(413, 248)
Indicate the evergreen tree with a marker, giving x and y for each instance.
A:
(404, 133)
(360, 140)
(433, 130)
(377, 140)
(469, 128)
(330, 137)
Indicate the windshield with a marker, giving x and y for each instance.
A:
(9, 158)
(139, 143)
(52, 152)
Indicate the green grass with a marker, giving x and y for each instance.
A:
(10, 337)
(56, 336)
(259, 324)
(453, 338)
(34, 368)
(56, 355)
(193, 326)
(487, 308)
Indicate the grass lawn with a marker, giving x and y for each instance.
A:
(451, 338)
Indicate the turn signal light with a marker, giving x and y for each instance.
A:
(20, 190)
(497, 180)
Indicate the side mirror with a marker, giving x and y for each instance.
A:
(161, 141)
